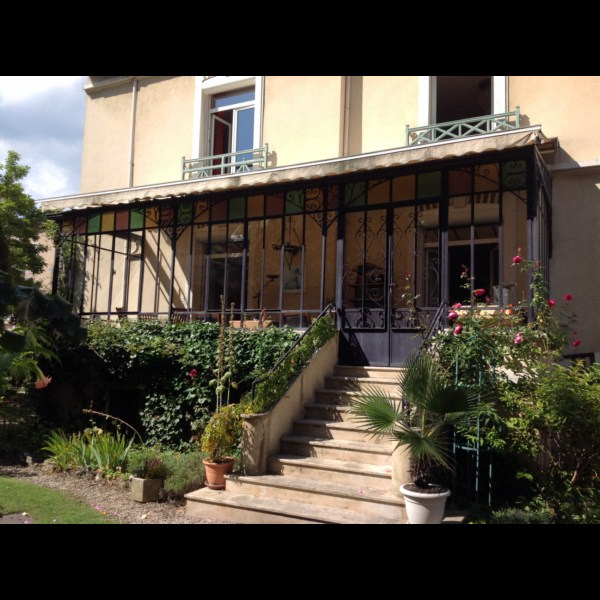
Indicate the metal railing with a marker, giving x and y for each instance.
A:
(327, 310)
(436, 323)
(222, 164)
(463, 128)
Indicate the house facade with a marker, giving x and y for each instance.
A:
(389, 197)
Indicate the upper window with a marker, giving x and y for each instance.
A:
(463, 97)
(232, 125)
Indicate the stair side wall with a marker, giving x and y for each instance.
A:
(262, 433)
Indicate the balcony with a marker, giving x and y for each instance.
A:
(465, 128)
(225, 164)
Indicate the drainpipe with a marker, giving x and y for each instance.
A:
(134, 93)
(347, 115)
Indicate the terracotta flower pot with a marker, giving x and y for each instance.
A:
(215, 473)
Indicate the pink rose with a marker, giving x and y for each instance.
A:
(458, 329)
(551, 303)
(518, 339)
(457, 305)
(193, 373)
(479, 292)
(517, 259)
(452, 315)
(576, 343)
(567, 297)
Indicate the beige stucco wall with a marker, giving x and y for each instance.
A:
(565, 107)
(163, 128)
(576, 253)
(106, 136)
(387, 105)
(303, 118)
(164, 114)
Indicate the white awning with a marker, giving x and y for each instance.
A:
(303, 172)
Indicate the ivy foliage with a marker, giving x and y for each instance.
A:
(268, 393)
(168, 368)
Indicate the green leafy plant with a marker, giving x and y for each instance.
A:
(432, 404)
(60, 448)
(223, 433)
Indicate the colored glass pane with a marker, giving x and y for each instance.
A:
(403, 188)
(294, 202)
(93, 224)
(256, 206)
(274, 204)
(355, 193)
(136, 219)
(122, 220)
(429, 185)
(459, 182)
(237, 208)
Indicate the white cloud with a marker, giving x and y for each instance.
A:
(42, 119)
(14, 88)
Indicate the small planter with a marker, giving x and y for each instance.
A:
(424, 507)
(145, 490)
(215, 473)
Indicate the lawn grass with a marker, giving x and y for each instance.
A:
(45, 505)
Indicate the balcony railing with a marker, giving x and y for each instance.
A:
(464, 128)
(222, 164)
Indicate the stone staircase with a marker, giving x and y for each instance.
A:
(328, 469)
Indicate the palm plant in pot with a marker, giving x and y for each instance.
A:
(431, 403)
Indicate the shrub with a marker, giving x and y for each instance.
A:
(517, 516)
(164, 370)
(185, 473)
(146, 463)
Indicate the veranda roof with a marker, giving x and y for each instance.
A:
(303, 172)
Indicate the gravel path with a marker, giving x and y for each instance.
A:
(110, 497)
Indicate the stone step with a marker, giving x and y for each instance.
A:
(377, 372)
(362, 452)
(328, 412)
(334, 471)
(359, 499)
(334, 430)
(242, 508)
(339, 382)
(327, 396)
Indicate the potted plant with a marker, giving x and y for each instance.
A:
(148, 472)
(431, 404)
(219, 442)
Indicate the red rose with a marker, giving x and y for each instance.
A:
(517, 259)
(567, 297)
(193, 373)
(576, 343)
(551, 302)
(458, 329)
(452, 315)
(479, 292)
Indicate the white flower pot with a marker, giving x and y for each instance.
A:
(423, 508)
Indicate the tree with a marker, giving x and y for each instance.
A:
(21, 223)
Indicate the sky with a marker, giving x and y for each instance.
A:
(41, 117)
